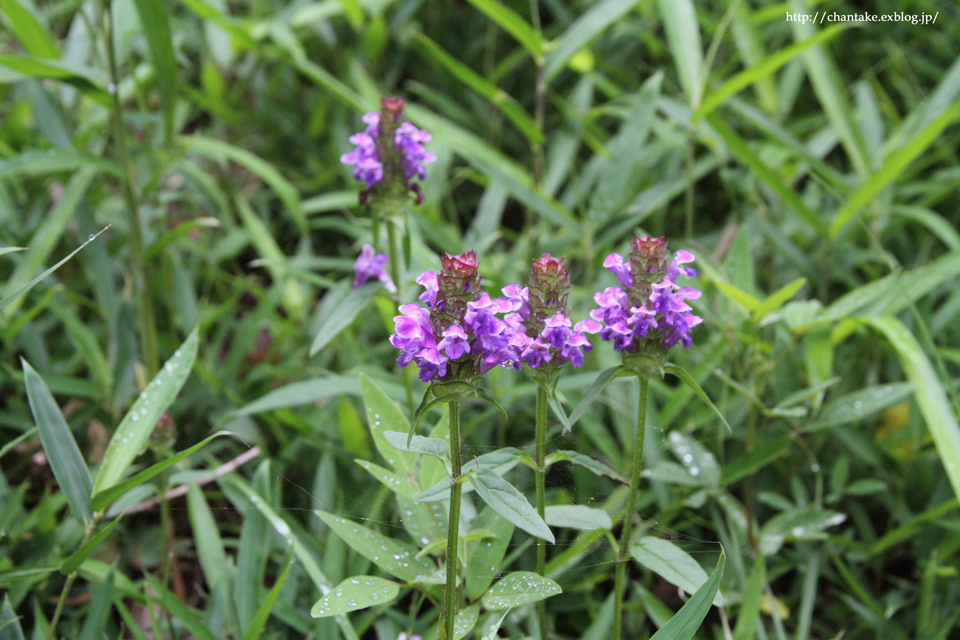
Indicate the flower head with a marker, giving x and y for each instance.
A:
(461, 332)
(370, 264)
(389, 153)
(540, 312)
(648, 313)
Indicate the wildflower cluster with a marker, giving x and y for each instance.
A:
(548, 336)
(389, 153)
(460, 333)
(648, 312)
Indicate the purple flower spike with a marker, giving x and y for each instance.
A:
(648, 313)
(370, 264)
(460, 334)
(389, 153)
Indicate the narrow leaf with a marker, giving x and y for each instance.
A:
(75, 559)
(136, 427)
(685, 376)
(418, 444)
(506, 500)
(673, 564)
(519, 588)
(259, 620)
(685, 623)
(155, 21)
(62, 452)
(355, 593)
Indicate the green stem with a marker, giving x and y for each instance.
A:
(166, 547)
(145, 316)
(453, 528)
(87, 531)
(541, 506)
(623, 550)
(394, 268)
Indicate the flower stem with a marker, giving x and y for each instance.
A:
(87, 531)
(453, 529)
(145, 316)
(392, 241)
(623, 550)
(541, 507)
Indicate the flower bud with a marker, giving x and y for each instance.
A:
(549, 287)
(457, 284)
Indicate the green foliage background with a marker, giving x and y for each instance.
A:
(813, 170)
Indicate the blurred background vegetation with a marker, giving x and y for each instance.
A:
(813, 170)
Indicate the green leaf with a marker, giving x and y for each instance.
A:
(685, 623)
(581, 459)
(928, 391)
(588, 26)
(685, 376)
(259, 620)
(187, 616)
(673, 564)
(772, 179)
(94, 626)
(400, 485)
(91, 82)
(135, 428)
(829, 88)
(804, 523)
(591, 394)
(760, 457)
(554, 403)
(499, 462)
(9, 622)
(519, 588)
(513, 24)
(683, 36)
(696, 458)
(75, 559)
(737, 295)
(500, 99)
(576, 516)
(19, 292)
(54, 161)
(778, 298)
(418, 444)
(768, 65)
(752, 599)
(33, 35)
(339, 311)
(506, 500)
(218, 149)
(207, 540)
(393, 556)
(104, 498)
(383, 415)
(483, 556)
(465, 621)
(300, 393)
(355, 593)
(155, 21)
(62, 452)
(892, 167)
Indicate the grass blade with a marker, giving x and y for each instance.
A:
(62, 452)
(739, 147)
(892, 167)
(513, 24)
(588, 26)
(685, 623)
(156, 27)
(928, 391)
(683, 36)
(22, 290)
(33, 35)
(263, 611)
(500, 99)
(75, 559)
(754, 74)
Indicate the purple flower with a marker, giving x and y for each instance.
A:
(370, 264)
(462, 332)
(388, 149)
(649, 311)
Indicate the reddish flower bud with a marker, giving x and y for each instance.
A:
(549, 284)
(463, 265)
(392, 106)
